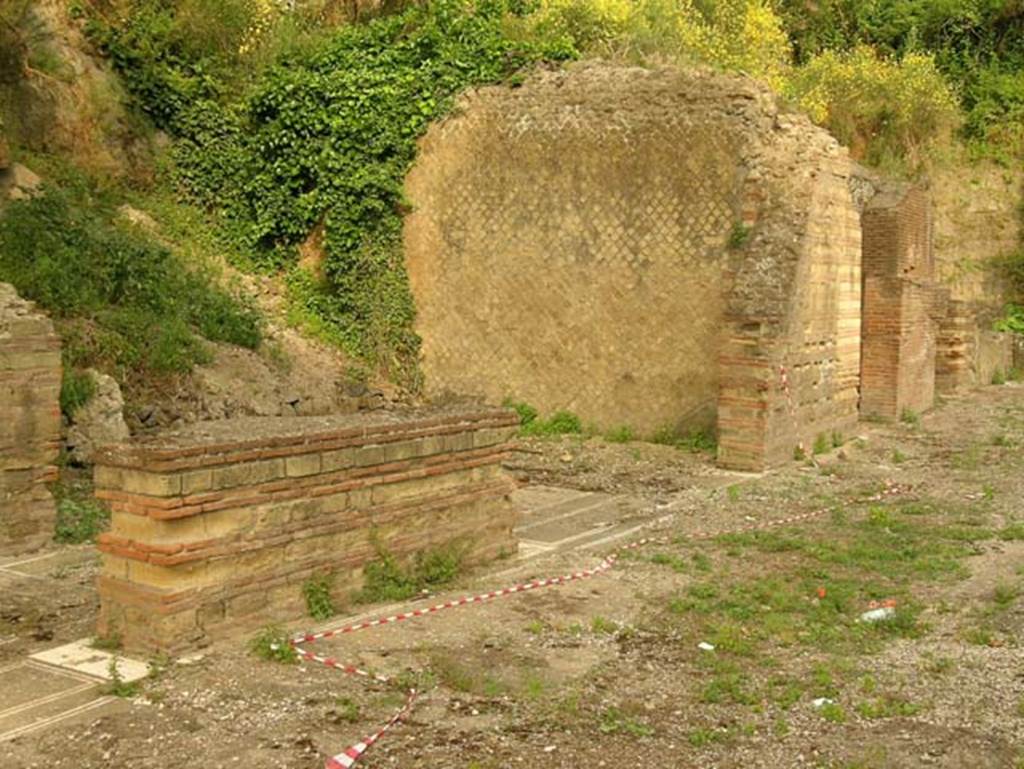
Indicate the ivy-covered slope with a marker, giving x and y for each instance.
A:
(325, 138)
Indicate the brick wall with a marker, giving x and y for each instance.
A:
(789, 361)
(643, 247)
(977, 221)
(568, 244)
(216, 527)
(30, 374)
(968, 353)
(898, 370)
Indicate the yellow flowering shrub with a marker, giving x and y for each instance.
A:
(887, 111)
(735, 35)
(739, 35)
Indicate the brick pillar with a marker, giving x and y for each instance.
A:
(899, 333)
(30, 374)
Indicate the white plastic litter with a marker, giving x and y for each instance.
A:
(705, 646)
(882, 612)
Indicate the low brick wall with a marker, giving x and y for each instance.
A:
(215, 528)
(30, 373)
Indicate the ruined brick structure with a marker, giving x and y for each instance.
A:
(900, 304)
(977, 222)
(658, 249)
(216, 527)
(30, 375)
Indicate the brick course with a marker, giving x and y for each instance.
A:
(30, 375)
(213, 534)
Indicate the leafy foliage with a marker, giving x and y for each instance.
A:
(738, 35)
(122, 301)
(79, 518)
(977, 44)
(888, 111)
(385, 579)
(326, 137)
(317, 592)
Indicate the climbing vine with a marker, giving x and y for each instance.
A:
(325, 139)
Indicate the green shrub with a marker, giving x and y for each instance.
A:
(559, 423)
(889, 112)
(527, 413)
(273, 644)
(80, 520)
(622, 434)
(122, 301)
(385, 579)
(76, 389)
(317, 592)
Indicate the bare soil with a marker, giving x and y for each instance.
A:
(607, 671)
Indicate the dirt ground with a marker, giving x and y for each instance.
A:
(608, 671)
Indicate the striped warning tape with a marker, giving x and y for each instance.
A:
(348, 757)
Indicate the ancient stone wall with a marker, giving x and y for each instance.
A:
(899, 331)
(789, 361)
(977, 220)
(593, 240)
(216, 527)
(567, 246)
(30, 374)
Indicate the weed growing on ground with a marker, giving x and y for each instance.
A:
(463, 677)
(703, 737)
(80, 520)
(346, 710)
(887, 707)
(822, 444)
(614, 721)
(833, 713)
(674, 562)
(898, 457)
(110, 642)
(623, 434)
(385, 579)
(998, 377)
(317, 592)
(910, 417)
(118, 687)
(274, 645)
(603, 626)
(536, 627)
(696, 441)
(1012, 532)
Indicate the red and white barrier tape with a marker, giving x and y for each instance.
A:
(348, 757)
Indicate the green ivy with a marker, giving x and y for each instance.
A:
(324, 138)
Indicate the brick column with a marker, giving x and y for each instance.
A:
(30, 374)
